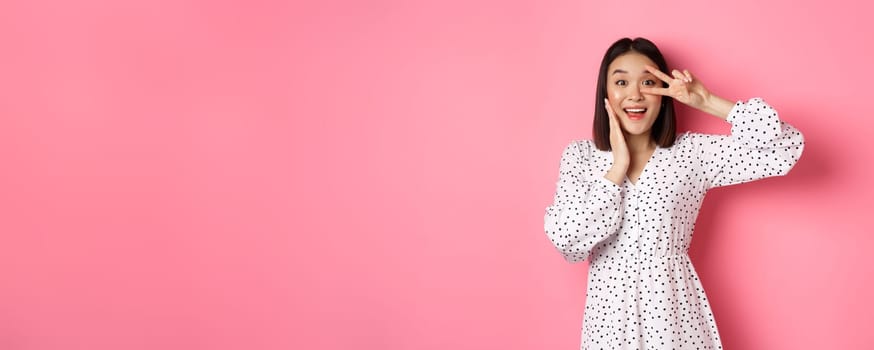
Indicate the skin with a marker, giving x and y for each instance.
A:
(634, 81)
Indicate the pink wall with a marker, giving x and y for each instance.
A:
(373, 174)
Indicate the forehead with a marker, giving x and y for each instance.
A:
(631, 62)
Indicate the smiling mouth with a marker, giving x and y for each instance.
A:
(635, 113)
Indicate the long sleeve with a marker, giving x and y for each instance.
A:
(583, 213)
(760, 146)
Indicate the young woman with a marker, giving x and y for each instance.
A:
(628, 199)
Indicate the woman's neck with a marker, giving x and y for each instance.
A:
(639, 143)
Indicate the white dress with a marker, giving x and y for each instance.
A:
(643, 292)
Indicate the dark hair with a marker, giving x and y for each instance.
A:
(664, 129)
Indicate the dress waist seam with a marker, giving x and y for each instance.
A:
(645, 258)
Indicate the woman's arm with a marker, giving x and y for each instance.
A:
(760, 145)
(717, 106)
(583, 213)
(690, 91)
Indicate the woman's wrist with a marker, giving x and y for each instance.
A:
(616, 174)
(717, 106)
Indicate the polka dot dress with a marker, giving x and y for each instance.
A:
(643, 292)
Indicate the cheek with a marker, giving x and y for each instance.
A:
(613, 94)
(658, 106)
(615, 99)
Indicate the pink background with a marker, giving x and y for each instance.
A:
(374, 174)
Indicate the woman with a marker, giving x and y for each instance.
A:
(627, 200)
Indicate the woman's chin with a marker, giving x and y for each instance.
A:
(635, 131)
(636, 127)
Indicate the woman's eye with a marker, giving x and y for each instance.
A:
(648, 82)
(621, 82)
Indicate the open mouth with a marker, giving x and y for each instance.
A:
(635, 113)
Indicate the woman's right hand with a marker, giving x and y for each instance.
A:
(621, 156)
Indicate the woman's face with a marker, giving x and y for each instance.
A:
(625, 76)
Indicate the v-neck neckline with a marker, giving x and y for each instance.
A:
(643, 172)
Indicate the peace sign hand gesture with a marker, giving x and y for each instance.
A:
(681, 87)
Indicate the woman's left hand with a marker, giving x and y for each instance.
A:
(682, 87)
(687, 89)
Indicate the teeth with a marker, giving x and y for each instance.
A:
(635, 110)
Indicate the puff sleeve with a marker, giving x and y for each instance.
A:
(760, 146)
(583, 213)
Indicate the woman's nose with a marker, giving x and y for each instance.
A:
(634, 94)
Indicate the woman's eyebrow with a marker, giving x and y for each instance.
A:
(617, 71)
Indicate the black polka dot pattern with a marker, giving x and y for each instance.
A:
(643, 292)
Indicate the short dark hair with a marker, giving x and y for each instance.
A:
(664, 129)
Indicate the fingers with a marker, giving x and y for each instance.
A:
(611, 118)
(614, 123)
(609, 109)
(655, 71)
(656, 91)
(683, 76)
